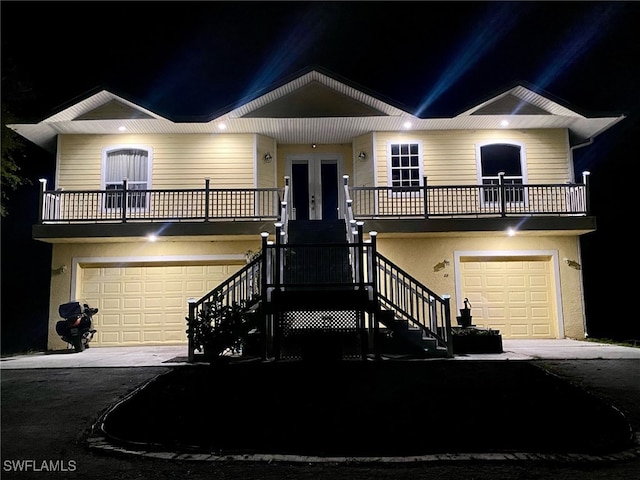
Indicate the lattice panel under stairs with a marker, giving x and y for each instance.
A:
(320, 334)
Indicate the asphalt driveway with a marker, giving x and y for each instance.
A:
(48, 415)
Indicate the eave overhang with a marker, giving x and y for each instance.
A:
(314, 108)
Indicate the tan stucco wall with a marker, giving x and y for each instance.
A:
(419, 256)
(68, 254)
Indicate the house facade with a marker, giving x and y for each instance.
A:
(145, 213)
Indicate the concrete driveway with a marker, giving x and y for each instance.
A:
(156, 356)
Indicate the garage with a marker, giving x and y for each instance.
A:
(515, 295)
(146, 304)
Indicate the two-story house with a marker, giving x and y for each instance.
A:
(145, 213)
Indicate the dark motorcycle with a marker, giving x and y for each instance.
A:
(77, 327)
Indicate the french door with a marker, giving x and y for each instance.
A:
(315, 186)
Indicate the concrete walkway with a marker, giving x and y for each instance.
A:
(155, 356)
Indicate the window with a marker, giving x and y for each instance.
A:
(501, 157)
(133, 164)
(405, 165)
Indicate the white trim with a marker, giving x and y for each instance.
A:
(314, 162)
(420, 159)
(128, 146)
(255, 163)
(497, 141)
(551, 254)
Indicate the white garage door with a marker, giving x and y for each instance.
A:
(146, 305)
(513, 295)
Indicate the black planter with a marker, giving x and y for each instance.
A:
(464, 320)
(477, 343)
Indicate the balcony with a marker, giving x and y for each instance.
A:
(209, 211)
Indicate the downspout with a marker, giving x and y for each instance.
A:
(588, 142)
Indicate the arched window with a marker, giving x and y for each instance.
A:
(506, 158)
(133, 164)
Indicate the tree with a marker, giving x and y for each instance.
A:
(13, 146)
(12, 154)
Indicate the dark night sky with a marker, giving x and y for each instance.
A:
(190, 60)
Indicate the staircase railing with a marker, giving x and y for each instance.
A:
(285, 209)
(241, 289)
(410, 300)
(388, 285)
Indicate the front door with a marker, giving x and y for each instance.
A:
(315, 188)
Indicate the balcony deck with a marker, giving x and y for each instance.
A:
(201, 213)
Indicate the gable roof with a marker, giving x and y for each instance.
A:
(313, 108)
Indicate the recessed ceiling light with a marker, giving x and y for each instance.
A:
(504, 123)
(122, 128)
(222, 126)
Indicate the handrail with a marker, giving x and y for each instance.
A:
(412, 301)
(242, 288)
(127, 204)
(391, 287)
(284, 210)
(231, 204)
(503, 199)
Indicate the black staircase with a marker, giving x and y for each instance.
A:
(313, 294)
(317, 254)
(318, 312)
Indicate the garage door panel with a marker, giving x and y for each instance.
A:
(540, 330)
(131, 337)
(154, 286)
(197, 285)
(517, 294)
(516, 330)
(109, 287)
(518, 313)
(107, 320)
(147, 304)
(153, 302)
(493, 281)
(538, 281)
(516, 297)
(512, 266)
(132, 319)
(153, 319)
(540, 313)
(91, 290)
(108, 338)
(133, 287)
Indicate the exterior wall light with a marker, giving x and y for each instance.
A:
(267, 157)
(362, 155)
